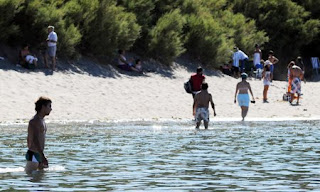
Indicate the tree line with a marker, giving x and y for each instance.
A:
(164, 29)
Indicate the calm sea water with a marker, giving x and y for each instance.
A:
(171, 156)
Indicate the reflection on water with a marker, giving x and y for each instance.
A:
(231, 156)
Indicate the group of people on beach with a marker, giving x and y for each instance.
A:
(29, 61)
(198, 88)
(202, 98)
(239, 58)
(265, 70)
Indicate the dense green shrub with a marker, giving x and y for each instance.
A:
(166, 37)
(243, 32)
(80, 13)
(8, 10)
(208, 29)
(33, 20)
(143, 9)
(69, 38)
(206, 39)
(112, 29)
(285, 22)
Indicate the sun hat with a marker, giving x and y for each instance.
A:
(244, 75)
(296, 67)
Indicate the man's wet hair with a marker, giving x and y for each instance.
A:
(199, 69)
(204, 86)
(42, 101)
(137, 61)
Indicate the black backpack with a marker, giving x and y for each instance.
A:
(188, 86)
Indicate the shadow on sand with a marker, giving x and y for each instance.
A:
(101, 67)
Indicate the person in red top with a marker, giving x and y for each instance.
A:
(196, 81)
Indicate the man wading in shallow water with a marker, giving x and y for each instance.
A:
(36, 136)
(201, 106)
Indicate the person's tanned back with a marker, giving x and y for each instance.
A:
(202, 99)
(201, 105)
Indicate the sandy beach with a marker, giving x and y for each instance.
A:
(87, 91)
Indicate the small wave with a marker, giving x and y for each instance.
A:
(163, 121)
(11, 170)
(55, 168)
(21, 169)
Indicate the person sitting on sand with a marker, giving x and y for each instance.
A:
(36, 136)
(123, 63)
(243, 96)
(226, 69)
(201, 105)
(138, 65)
(26, 59)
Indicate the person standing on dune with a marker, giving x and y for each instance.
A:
(51, 47)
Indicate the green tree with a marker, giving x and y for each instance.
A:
(8, 10)
(243, 31)
(143, 9)
(313, 6)
(111, 29)
(38, 15)
(166, 37)
(206, 39)
(287, 24)
(80, 12)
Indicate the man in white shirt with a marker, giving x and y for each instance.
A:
(238, 61)
(51, 47)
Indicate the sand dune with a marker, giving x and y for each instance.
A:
(103, 93)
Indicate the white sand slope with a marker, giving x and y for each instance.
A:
(81, 96)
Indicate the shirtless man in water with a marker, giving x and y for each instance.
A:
(36, 136)
(201, 106)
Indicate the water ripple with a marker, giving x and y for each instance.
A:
(232, 156)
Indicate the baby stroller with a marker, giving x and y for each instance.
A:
(258, 71)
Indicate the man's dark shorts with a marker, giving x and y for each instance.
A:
(235, 69)
(32, 156)
(125, 67)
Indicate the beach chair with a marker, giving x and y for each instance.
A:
(315, 64)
